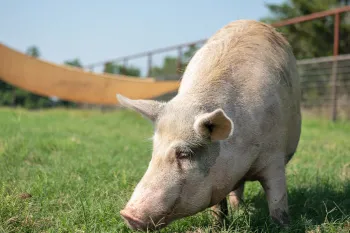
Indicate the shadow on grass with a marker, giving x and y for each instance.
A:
(310, 208)
(319, 208)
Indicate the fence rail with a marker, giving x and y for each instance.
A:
(319, 93)
(325, 85)
(326, 78)
(181, 47)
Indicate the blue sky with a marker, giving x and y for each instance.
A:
(94, 31)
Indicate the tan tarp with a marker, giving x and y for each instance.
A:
(73, 84)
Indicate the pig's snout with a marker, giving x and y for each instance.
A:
(136, 223)
(133, 222)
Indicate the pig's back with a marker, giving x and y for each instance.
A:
(248, 69)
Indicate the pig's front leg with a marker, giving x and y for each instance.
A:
(236, 196)
(273, 180)
(220, 211)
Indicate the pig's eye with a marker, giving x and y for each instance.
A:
(182, 155)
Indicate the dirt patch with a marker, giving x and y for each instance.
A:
(25, 195)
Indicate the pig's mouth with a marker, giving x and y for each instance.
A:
(136, 223)
(133, 222)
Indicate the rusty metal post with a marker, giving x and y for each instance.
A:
(149, 64)
(334, 67)
(179, 61)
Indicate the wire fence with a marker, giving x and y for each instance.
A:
(324, 81)
(325, 85)
(181, 47)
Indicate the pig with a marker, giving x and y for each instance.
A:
(235, 118)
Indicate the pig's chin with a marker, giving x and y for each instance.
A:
(214, 201)
(151, 225)
(135, 223)
(217, 196)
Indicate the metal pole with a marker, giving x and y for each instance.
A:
(149, 64)
(334, 66)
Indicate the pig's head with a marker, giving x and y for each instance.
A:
(180, 179)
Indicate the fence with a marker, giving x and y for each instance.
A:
(325, 85)
(180, 48)
(322, 78)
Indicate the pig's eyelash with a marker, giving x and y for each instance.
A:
(182, 154)
(189, 151)
(186, 150)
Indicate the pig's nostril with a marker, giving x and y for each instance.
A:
(133, 222)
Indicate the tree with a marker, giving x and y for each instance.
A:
(192, 49)
(313, 38)
(188, 54)
(74, 62)
(33, 51)
(6, 94)
(131, 71)
(114, 68)
(169, 67)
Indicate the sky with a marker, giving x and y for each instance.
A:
(95, 31)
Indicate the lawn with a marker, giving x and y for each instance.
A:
(73, 170)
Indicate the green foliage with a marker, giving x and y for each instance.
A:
(75, 63)
(170, 64)
(6, 94)
(80, 168)
(189, 53)
(29, 100)
(114, 68)
(313, 38)
(33, 51)
(169, 67)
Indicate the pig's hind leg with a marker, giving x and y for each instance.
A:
(273, 180)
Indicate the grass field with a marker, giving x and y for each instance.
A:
(73, 170)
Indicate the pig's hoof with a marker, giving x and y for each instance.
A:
(281, 218)
(220, 224)
(219, 212)
(219, 220)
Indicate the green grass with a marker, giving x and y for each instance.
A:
(80, 167)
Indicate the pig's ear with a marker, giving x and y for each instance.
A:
(148, 108)
(215, 125)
